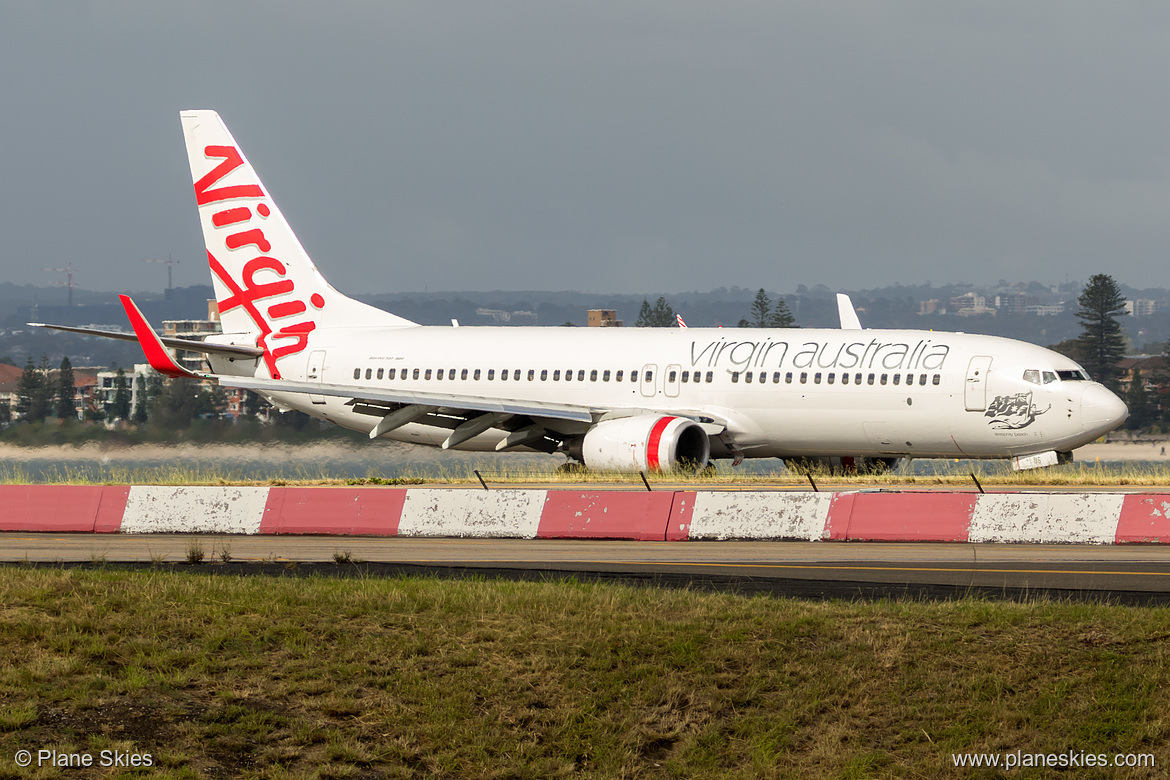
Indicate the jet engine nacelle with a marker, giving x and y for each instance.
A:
(648, 442)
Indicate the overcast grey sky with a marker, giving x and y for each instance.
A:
(599, 146)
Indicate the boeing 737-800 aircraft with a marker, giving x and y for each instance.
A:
(613, 398)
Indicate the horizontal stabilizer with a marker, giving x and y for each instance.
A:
(227, 350)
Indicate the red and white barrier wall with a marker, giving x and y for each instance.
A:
(1094, 518)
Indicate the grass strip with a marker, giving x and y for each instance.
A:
(416, 678)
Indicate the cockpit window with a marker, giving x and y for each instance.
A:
(1070, 376)
(1032, 375)
(1049, 377)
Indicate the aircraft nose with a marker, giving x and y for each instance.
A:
(1101, 410)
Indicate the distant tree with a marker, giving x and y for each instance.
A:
(120, 408)
(1141, 411)
(660, 315)
(33, 392)
(645, 315)
(253, 405)
(7, 360)
(1102, 342)
(210, 403)
(761, 309)
(140, 400)
(764, 316)
(66, 389)
(1070, 348)
(5, 412)
(174, 407)
(781, 316)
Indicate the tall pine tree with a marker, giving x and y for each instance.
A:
(66, 388)
(1102, 344)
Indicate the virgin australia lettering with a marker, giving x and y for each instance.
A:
(613, 398)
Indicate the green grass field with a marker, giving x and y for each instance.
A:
(223, 676)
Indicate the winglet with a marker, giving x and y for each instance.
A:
(156, 354)
(848, 314)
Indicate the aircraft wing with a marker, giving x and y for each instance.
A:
(227, 350)
(367, 395)
(528, 421)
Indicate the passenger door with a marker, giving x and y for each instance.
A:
(975, 388)
(316, 372)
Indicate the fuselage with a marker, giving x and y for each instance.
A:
(780, 393)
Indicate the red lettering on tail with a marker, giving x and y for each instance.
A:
(231, 160)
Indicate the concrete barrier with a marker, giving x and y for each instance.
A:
(208, 510)
(606, 514)
(503, 514)
(345, 511)
(1094, 518)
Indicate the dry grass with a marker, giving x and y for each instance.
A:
(925, 474)
(258, 677)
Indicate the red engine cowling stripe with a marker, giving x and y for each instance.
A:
(653, 442)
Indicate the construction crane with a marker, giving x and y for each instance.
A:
(168, 263)
(68, 271)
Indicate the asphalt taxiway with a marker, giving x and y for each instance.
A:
(1123, 573)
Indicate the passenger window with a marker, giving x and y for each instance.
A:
(369, 373)
(748, 377)
(427, 375)
(937, 379)
(463, 374)
(581, 375)
(544, 375)
(710, 376)
(735, 376)
(605, 375)
(451, 374)
(390, 374)
(491, 374)
(804, 377)
(569, 375)
(618, 376)
(357, 373)
(817, 378)
(788, 378)
(439, 376)
(909, 379)
(857, 379)
(832, 376)
(475, 376)
(883, 379)
(870, 378)
(897, 378)
(922, 379)
(415, 374)
(1049, 377)
(380, 372)
(531, 374)
(686, 377)
(504, 375)
(844, 379)
(1032, 375)
(649, 377)
(633, 376)
(775, 377)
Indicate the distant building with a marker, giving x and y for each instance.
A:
(933, 306)
(1045, 310)
(1141, 308)
(603, 318)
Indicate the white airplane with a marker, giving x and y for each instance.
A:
(612, 398)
